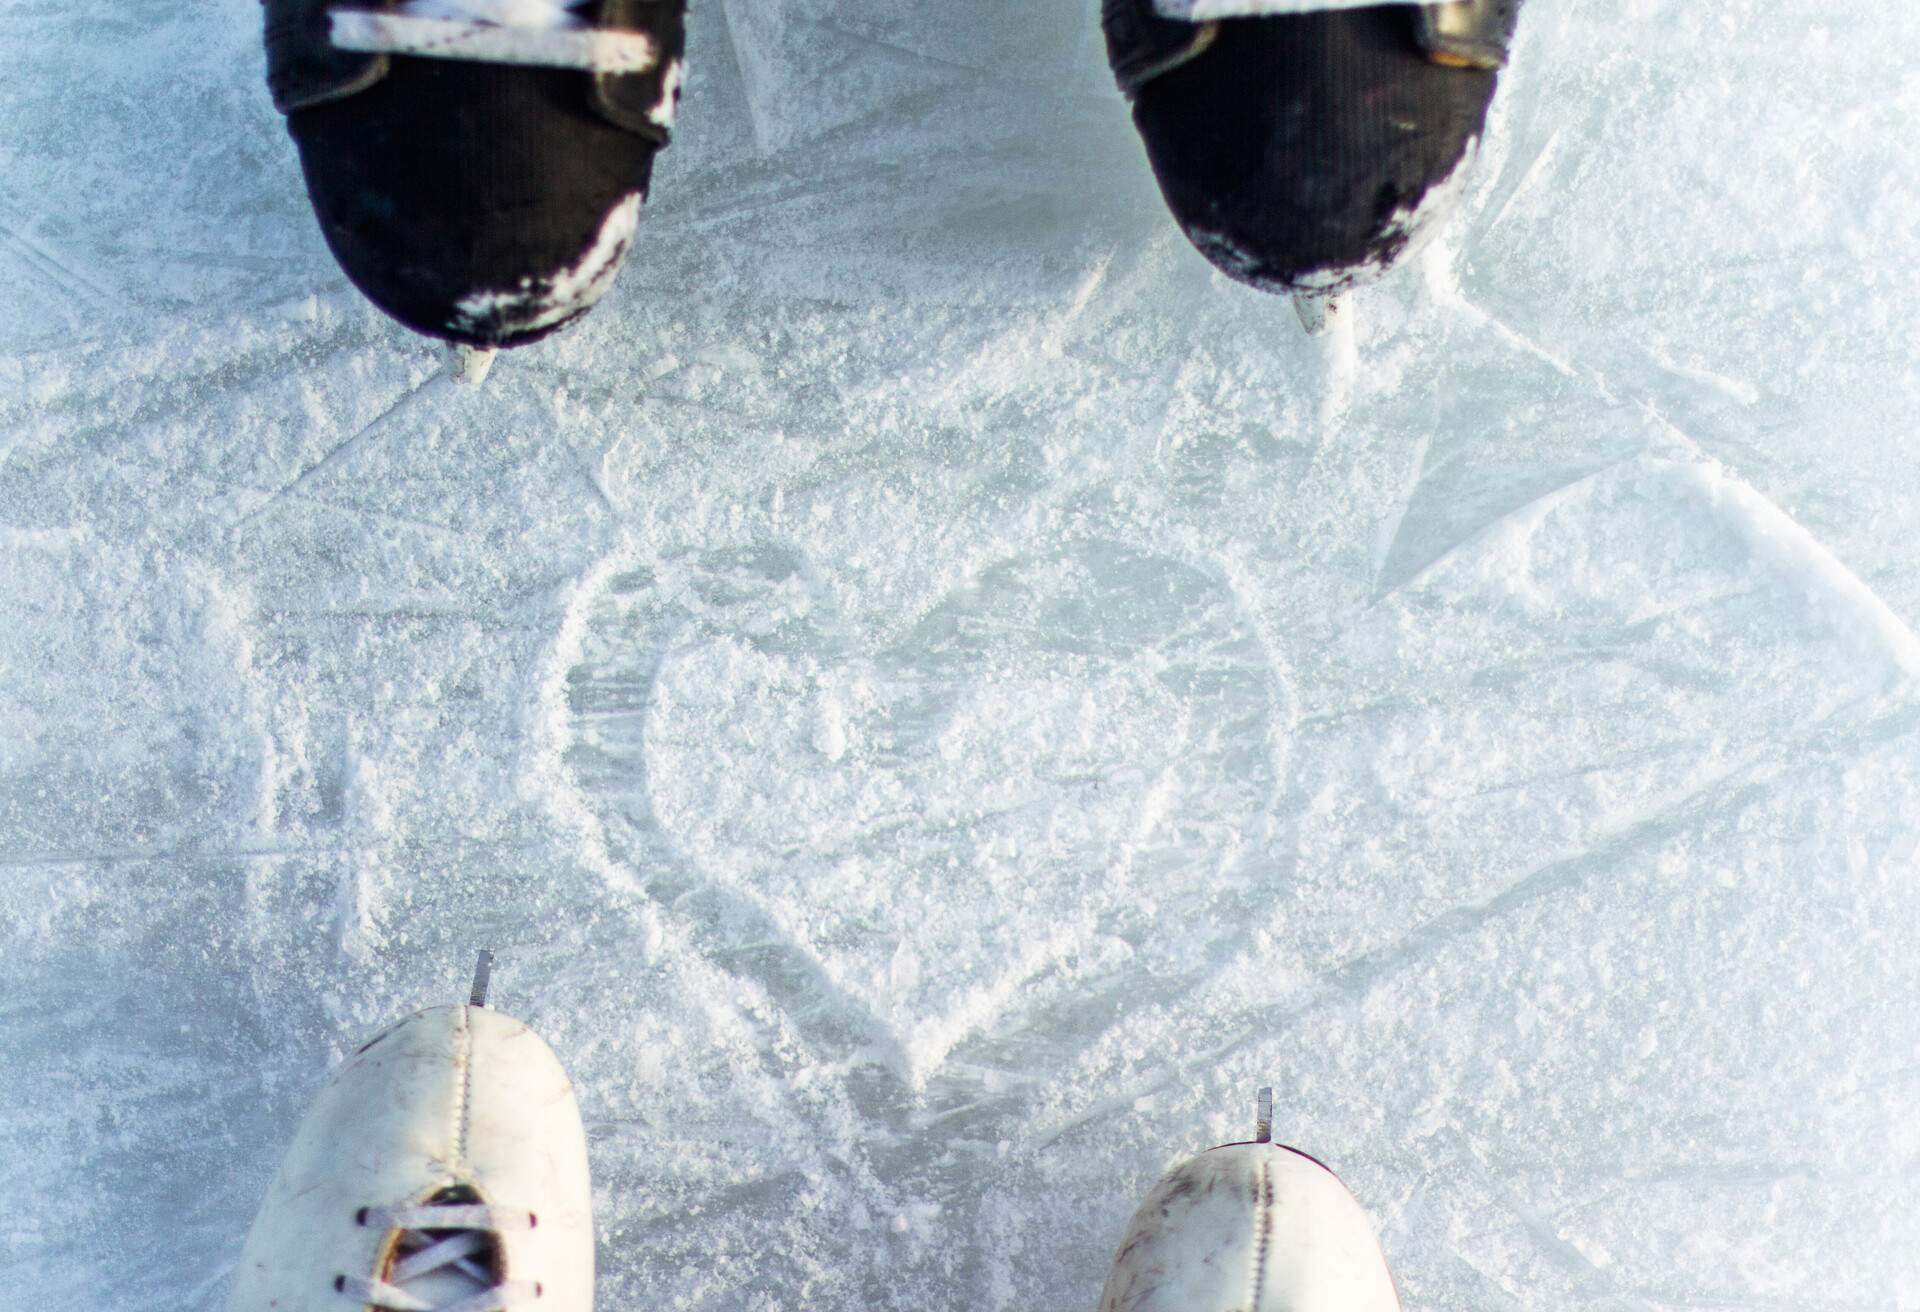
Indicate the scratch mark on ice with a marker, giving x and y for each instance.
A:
(48, 263)
(1560, 1251)
(1527, 180)
(346, 449)
(894, 47)
(128, 856)
(1389, 536)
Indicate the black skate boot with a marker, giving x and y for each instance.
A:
(1306, 153)
(477, 166)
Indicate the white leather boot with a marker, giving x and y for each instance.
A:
(442, 1169)
(1251, 1227)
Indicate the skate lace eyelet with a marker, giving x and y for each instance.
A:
(450, 1237)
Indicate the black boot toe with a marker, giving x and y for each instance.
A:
(480, 203)
(1311, 151)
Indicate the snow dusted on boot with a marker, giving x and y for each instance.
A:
(542, 302)
(444, 1166)
(1407, 232)
(1255, 1227)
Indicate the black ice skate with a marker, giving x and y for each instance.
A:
(477, 166)
(1306, 150)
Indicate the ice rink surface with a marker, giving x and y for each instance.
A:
(935, 696)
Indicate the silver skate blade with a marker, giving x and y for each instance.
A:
(482, 975)
(1320, 312)
(469, 364)
(1263, 1120)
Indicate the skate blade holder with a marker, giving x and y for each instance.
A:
(1322, 313)
(591, 50)
(1468, 33)
(469, 364)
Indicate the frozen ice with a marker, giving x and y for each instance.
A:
(935, 696)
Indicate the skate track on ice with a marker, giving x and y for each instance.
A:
(934, 696)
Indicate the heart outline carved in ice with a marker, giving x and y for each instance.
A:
(1019, 773)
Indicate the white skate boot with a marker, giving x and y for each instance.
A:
(442, 1169)
(1251, 1227)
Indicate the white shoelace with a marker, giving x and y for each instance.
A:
(549, 33)
(442, 1266)
(552, 14)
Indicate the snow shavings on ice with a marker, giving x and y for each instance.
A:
(171, 751)
(935, 695)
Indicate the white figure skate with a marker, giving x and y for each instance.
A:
(1251, 1227)
(442, 1169)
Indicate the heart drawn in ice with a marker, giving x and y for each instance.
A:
(949, 834)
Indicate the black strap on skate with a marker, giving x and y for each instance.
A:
(643, 103)
(304, 68)
(1141, 45)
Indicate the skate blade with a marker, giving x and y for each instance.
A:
(1320, 314)
(470, 364)
(482, 976)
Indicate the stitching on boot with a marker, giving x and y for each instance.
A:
(1263, 1219)
(463, 1061)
